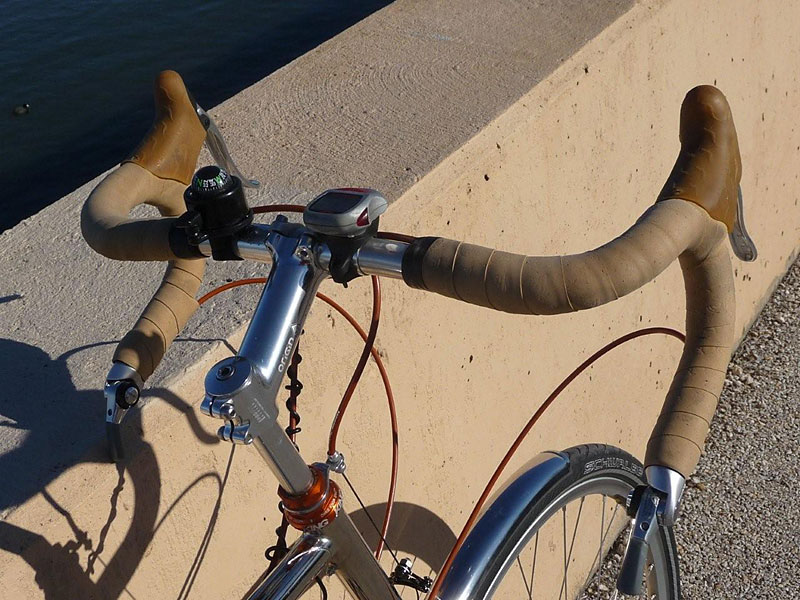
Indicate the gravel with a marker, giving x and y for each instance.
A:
(739, 531)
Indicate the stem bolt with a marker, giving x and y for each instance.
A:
(225, 372)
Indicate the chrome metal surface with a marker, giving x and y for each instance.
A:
(205, 405)
(236, 434)
(338, 545)
(485, 543)
(644, 523)
(131, 395)
(114, 412)
(253, 378)
(219, 150)
(481, 570)
(295, 574)
(671, 484)
(255, 406)
(304, 253)
(205, 248)
(381, 257)
(336, 462)
(643, 527)
(377, 257)
(741, 242)
(281, 311)
(356, 566)
(224, 410)
(252, 244)
(119, 373)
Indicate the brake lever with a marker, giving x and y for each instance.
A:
(219, 150)
(122, 389)
(741, 242)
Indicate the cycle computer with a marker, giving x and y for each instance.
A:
(345, 212)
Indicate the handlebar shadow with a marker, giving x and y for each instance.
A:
(52, 427)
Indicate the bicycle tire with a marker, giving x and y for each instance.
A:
(594, 470)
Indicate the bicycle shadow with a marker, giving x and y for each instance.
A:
(48, 433)
(413, 530)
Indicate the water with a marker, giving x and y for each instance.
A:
(86, 69)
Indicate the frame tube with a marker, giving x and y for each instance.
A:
(306, 560)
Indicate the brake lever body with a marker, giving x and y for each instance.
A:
(219, 149)
(122, 389)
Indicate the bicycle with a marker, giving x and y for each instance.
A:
(699, 206)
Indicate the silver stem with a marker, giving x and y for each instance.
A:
(252, 379)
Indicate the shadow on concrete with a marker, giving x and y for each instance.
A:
(46, 425)
(49, 426)
(414, 530)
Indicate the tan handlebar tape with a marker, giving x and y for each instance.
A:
(547, 285)
(550, 285)
(156, 174)
(105, 223)
(164, 317)
(680, 432)
(110, 232)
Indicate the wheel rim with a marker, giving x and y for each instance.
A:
(574, 532)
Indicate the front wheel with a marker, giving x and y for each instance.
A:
(563, 544)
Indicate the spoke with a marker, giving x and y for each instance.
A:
(563, 591)
(604, 531)
(567, 558)
(533, 566)
(614, 514)
(575, 531)
(593, 574)
(524, 580)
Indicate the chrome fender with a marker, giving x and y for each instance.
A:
(488, 542)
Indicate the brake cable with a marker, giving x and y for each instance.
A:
(528, 426)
